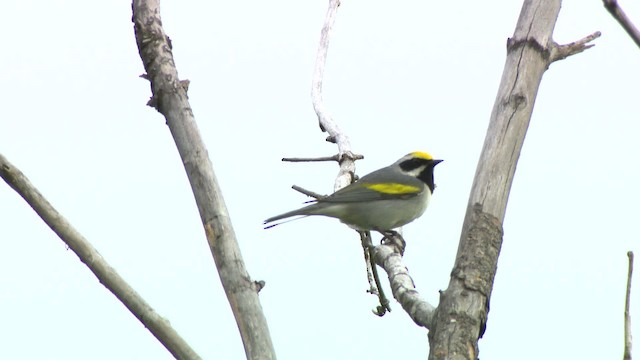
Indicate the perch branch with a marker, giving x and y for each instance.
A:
(402, 286)
(622, 18)
(158, 326)
(345, 157)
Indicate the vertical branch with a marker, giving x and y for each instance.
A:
(627, 315)
(346, 158)
(170, 99)
(461, 316)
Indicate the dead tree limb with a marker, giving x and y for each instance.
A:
(170, 99)
(461, 316)
(627, 315)
(159, 327)
(616, 11)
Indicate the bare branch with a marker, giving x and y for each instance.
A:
(318, 159)
(618, 14)
(627, 315)
(402, 286)
(345, 155)
(322, 158)
(158, 326)
(461, 316)
(307, 192)
(170, 99)
(560, 52)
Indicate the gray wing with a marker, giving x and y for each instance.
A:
(354, 193)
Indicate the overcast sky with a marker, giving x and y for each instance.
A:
(401, 76)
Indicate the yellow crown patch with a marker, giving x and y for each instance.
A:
(422, 155)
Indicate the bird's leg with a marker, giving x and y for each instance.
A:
(394, 239)
(372, 275)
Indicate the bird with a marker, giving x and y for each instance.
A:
(381, 201)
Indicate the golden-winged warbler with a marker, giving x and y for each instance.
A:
(382, 200)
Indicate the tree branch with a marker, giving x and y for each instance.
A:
(170, 99)
(322, 158)
(618, 14)
(460, 319)
(345, 155)
(309, 193)
(627, 315)
(402, 286)
(560, 52)
(159, 327)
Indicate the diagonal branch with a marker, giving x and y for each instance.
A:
(402, 286)
(618, 14)
(170, 99)
(158, 326)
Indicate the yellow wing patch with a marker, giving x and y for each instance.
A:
(393, 188)
(422, 155)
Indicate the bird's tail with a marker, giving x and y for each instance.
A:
(284, 216)
(281, 222)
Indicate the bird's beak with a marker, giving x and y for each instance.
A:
(436, 162)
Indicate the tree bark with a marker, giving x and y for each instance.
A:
(461, 316)
(108, 276)
(170, 99)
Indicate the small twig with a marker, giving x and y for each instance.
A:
(384, 306)
(627, 315)
(618, 14)
(307, 192)
(375, 287)
(366, 244)
(321, 158)
(559, 52)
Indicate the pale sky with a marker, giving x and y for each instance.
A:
(400, 77)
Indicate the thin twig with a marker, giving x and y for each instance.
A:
(622, 18)
(321, 158)
(375, 287)
(365, 239)
(560, 52)
(307, 192)
(627, 315)
(318, 159)
(384, 306)
(158, 326)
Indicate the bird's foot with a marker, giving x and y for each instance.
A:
(393, 238)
